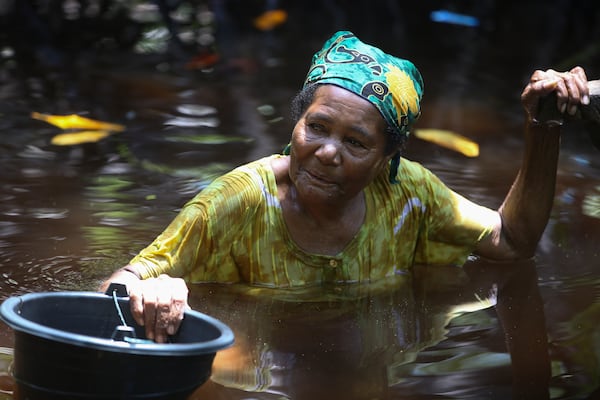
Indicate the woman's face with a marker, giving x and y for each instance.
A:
(338, 146)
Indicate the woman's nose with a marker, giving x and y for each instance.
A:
(329, 153)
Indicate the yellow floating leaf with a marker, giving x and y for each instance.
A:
(74, 121)
(270, 20)
(591, 204)
(74, 138)
(450, 140)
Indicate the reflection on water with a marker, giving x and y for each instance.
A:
(577, 329)
(434, 336)
(70, 215)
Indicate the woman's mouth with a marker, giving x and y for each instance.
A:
(320, 177)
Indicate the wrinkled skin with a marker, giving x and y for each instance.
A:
(158, 304)
(338, 148)
(571, 90)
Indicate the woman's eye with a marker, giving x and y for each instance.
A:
(355, 143)
(316, 127)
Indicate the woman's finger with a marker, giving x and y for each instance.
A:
(580, 79)
(163, 308)
(574, 96)
(562, 96)
(179, 295)
(136, 302)
(150, 300)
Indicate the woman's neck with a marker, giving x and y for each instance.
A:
(319, 228)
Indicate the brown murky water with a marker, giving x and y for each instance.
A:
(71, 215)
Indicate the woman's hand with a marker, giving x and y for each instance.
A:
(158, 304)
(571, 90)
(524, 214)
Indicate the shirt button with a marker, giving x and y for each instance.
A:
(333, 263)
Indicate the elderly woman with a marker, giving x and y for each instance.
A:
(340, 205)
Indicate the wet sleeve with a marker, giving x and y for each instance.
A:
(197, 243)
(175, 248)
(453, 224)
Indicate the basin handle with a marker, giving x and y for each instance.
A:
(118, 289)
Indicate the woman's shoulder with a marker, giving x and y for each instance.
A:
(418, 179)
(259, 171)
(413, 180)
(410, 174)
(244, 183)
(412, 168)
(280, 166)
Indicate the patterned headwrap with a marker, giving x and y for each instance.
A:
(391, 84)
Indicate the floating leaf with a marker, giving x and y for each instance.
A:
(74, 121)
(203, 61)
(208, 139)
(591, 204)
(196, 110)
(74, 138)
(266, 110)
(270, 20)
(49, 213)
(462, 362)
(450, 140)
(187, 122)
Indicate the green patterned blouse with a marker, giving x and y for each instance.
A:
(234, 231)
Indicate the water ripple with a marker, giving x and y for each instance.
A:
(49, 213)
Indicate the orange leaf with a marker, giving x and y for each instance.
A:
(270, 20)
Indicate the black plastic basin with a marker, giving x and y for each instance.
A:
(64, 350)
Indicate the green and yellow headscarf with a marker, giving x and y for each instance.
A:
(391, 84)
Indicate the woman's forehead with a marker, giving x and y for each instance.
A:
(332, 97)
(329, 93)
